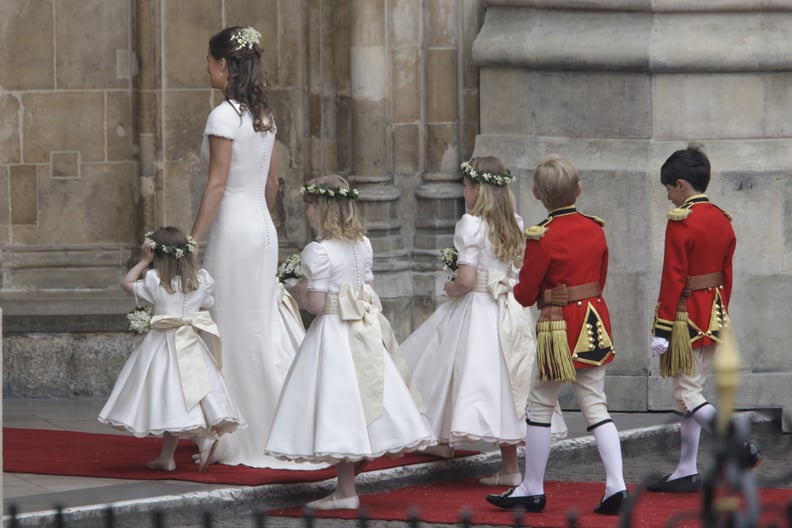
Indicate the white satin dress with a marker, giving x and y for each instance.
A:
(474, 383)
(149, 396)
(242, 255)
(347, 396)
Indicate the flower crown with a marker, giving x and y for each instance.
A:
(245, 38)
(170, 249)
(499, 180)
(336, 193)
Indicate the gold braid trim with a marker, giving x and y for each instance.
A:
(679, 358)
(552, 352)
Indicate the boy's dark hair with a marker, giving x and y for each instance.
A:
(690, 164)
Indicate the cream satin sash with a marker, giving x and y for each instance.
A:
(370, 332)
(517, 339)
(189, 351)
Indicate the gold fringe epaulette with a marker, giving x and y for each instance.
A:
(679, 213)
(535, 232)
(597, 219)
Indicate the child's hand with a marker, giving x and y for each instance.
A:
(148, 253)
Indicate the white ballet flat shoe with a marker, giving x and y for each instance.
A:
(332, 503)
(440, 450)
(509, 479)
(156, 465)
(205, 456)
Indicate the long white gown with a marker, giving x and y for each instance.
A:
(242, 255)
(342, 402)
(472, 389)
(148, 397)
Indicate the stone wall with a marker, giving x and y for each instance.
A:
(617, 86)
(103, 103)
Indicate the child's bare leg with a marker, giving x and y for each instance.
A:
(165, 462)
(345, 496)
(509, 472)
(346, 480)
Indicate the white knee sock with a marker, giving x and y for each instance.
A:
(609, 447)
(705, 416)
(689, 432)
(537, 451)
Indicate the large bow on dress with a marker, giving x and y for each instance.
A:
(189, 351)
(516, 336)
(370, 332)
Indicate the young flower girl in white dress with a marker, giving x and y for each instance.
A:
(472, 358)
(347, 397)
(171, 385)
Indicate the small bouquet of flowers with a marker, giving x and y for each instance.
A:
(449, 256)
(290, 270)
(139, 319)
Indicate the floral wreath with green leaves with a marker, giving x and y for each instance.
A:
(245, 38)
(331, 192)
(170, 249)
(499, 180)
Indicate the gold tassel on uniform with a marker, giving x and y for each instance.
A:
(679, 358)
(552, 352)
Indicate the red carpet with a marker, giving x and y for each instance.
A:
(53, 452)
(442, 503)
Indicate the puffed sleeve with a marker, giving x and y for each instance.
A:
(520, 222)
(316, 267)
(145, 289)
(467, 239)
(368, 260)
(223, 121)
(208, 288)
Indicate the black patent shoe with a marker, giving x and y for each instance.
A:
(689, 484)
(531, 503)
(613, 504)
(751, 456)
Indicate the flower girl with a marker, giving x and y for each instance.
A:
(347, 396)
(171, 385)
(472, 358)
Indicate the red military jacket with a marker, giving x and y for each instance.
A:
(569, 248)
(699, 240)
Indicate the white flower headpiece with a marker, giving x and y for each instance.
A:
(245, 38)
(499, 180)
(170, 249)
(335, 193)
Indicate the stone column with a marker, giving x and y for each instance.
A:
(617, 86)
(450, 124)
(147, 107)
(371, 168)
(370, 162)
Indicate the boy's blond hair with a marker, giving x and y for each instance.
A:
(556, 182)
(495, 204)
(337, 218)
(169, 267)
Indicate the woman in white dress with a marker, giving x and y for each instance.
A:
(348, 397)
(472, 358)
(171, 384)
(242, 254)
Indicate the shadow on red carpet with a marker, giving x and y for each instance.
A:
(70, 453)
(445, 502)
